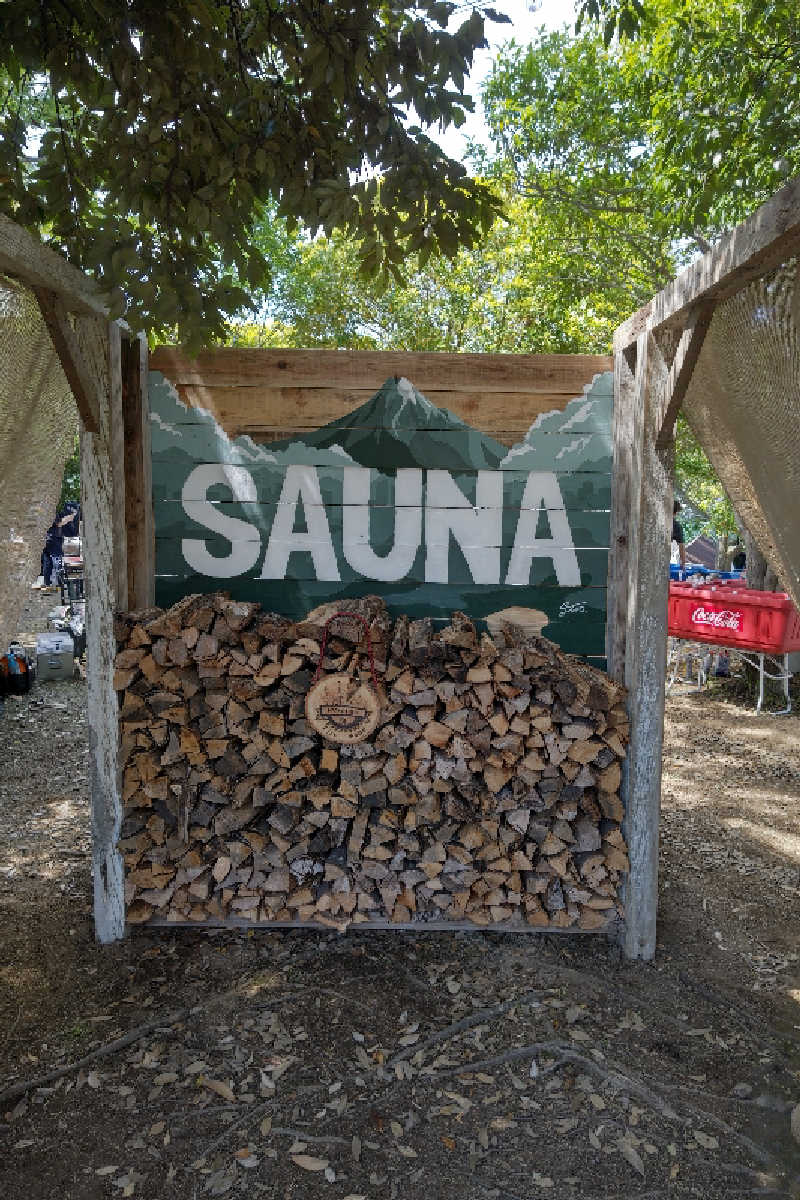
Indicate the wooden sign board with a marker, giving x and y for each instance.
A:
(399, 498)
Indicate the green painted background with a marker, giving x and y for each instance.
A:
(395, 429)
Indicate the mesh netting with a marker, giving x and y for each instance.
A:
(743, 404)
(37, 430)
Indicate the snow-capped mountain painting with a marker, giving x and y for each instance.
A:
(179, 432)
(398, 498)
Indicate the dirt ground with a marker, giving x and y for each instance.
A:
(375, 1065)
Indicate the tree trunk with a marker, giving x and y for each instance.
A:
(723, 554)
(760, 574)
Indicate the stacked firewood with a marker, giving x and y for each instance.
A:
(488, 794)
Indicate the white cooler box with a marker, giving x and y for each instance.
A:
(55, 656)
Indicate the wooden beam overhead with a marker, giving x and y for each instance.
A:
(367, 370)
(84, 386)
(768, 237)
(25, 258)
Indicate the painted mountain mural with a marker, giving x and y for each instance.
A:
(397, 498)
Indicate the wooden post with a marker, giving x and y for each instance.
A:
(622, 484)
(98, 470)
(118, 468)
(138, 474)
(637, 641)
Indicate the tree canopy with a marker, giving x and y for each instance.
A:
(528, 287)
(721, 78)
(145, 138)
(567, 117)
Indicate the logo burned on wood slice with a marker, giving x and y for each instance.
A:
(342, 709)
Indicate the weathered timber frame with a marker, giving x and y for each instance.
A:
(655, 353)
(106, 369)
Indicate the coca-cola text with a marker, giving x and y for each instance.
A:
(726, 618)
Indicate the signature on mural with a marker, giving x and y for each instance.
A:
(571, 606)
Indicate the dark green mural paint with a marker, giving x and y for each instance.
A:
(398, 498)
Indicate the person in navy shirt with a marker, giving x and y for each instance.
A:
(65, 524)
(677, 534)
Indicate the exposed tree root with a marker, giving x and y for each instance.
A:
(450, 1031)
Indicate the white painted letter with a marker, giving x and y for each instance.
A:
(477, 528)
(407, 524)
(542, 488)
(244, 538)
(301, 483)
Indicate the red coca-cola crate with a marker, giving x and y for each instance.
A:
(727, 615)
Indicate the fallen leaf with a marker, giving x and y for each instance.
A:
(705, 1139)
(449, 1142)
(407, 1152)
(597, 1101)
(220, 1088)
(453, 986)
(630, 1154)
(794, 1122)
(396, 1128)
(309, 1163)
(501, 1123)
(106, 1170)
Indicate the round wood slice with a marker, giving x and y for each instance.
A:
(342, 709)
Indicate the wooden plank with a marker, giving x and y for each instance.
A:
(587, 490)
(769, 236)
(80, 379)
(367, 370)
(24, 257)
(119, 538)
(589, 529)
(383, 923)
(104, 789)
(442, 449)
(170, 560)
(646, 650)
(138, 475)
(265, 411)
(627, 412)
(575, 618)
